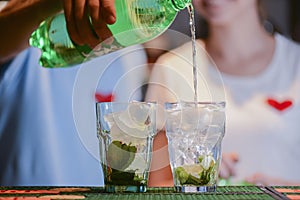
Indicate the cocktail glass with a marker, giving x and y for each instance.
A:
(195, 131)
(125, 132)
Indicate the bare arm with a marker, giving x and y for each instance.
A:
(18, 20)
(21, 17)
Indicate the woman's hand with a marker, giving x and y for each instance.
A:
(87, 20)
(227, 168)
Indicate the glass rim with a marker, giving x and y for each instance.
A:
(221, 103)
(125, 103)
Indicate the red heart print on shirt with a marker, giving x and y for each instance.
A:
(104, 98)
(280, 106)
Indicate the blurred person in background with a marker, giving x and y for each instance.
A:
(257, 74)
(45, 114)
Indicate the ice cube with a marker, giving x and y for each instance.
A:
(212, 136)
(133, 121)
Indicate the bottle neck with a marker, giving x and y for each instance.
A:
(180, 4)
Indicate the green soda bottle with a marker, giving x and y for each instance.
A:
(137, 21)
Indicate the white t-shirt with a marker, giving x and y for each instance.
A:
(262, 111)
(48, 120)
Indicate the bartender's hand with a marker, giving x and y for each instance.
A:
(77, 13)
(227, 168)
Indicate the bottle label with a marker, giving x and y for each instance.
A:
(101, 49)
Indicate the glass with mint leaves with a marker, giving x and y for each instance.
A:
(125, 132)
(195, 131)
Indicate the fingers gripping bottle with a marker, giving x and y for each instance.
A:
(137, 21)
